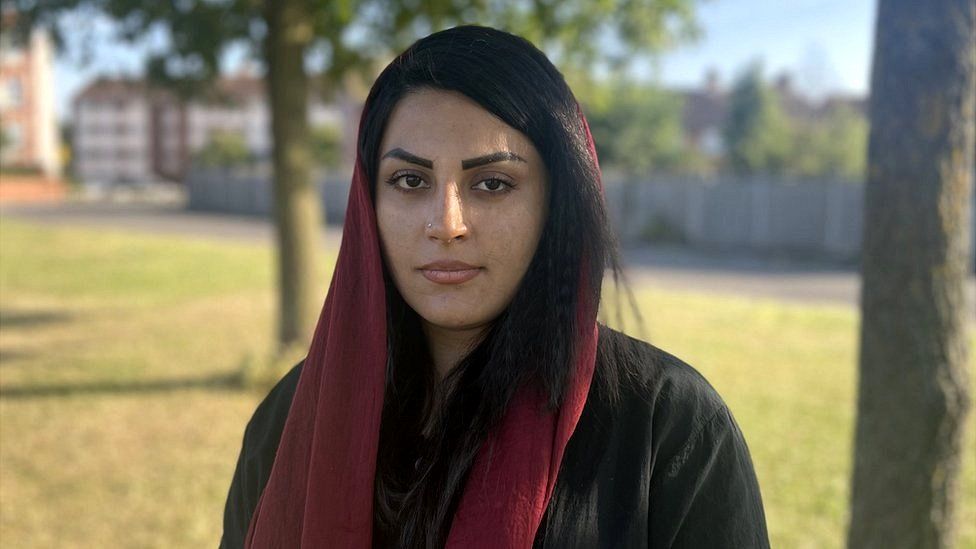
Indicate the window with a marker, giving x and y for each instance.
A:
(13, 93)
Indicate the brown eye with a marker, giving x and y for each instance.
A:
(408, 182)
(493, 185)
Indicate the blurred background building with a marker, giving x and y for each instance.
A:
(126, 131)
(29, 139)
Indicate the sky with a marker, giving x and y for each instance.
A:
(826, 44)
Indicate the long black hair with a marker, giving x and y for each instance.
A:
(419, 480)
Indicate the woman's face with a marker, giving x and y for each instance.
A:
(460, 204)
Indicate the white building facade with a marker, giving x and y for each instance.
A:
(125, 132)
(27, 116)
(113, 133)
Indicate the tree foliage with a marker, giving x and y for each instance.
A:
(834, 146)
(757, 132)
(762, 138)
(351, 35)
(224, 149)
(5, 140)
(638, 129)
(326, 142)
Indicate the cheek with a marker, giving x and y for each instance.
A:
(534, 222)
(515, 239)
(393, 230)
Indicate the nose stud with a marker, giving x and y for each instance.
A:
(430, 225)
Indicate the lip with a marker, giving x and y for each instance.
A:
(449, 272)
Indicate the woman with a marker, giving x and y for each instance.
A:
(458, 390)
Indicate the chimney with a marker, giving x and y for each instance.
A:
(784, 84)
(713, 84)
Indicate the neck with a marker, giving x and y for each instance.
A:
(449, 346)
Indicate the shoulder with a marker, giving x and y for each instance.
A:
(656, 393)
(642, 371)
(264, 429)
(261, 438)
(702, 489)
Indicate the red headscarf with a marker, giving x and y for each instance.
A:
(320, 492)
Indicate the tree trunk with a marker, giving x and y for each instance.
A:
(913, 395)
(297, 210)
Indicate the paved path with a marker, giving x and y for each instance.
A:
(748, 276)
(672, 268)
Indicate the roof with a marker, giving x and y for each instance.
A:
(112, 89)
(703, 109)
(706, 107)
(234, 89)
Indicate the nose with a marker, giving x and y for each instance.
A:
(447, 222)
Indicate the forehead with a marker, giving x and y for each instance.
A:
(442, 124)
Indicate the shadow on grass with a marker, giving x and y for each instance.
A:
(11, 318)
(7, 356)
(220, 382)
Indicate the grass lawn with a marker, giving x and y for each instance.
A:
(118, 429)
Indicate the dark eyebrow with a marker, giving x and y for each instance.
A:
(489, 158)
(501, 156)
(411, 158)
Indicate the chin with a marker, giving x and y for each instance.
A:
(453, 322)
(455, 319)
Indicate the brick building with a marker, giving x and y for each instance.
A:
(27, 118)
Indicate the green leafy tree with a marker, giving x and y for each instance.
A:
(349, 35)
(831, 147)
(5, 140)
(224, 149)
(327, 146)
(846, 144)
(637, 129)
(914, 388)
(758, 134)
